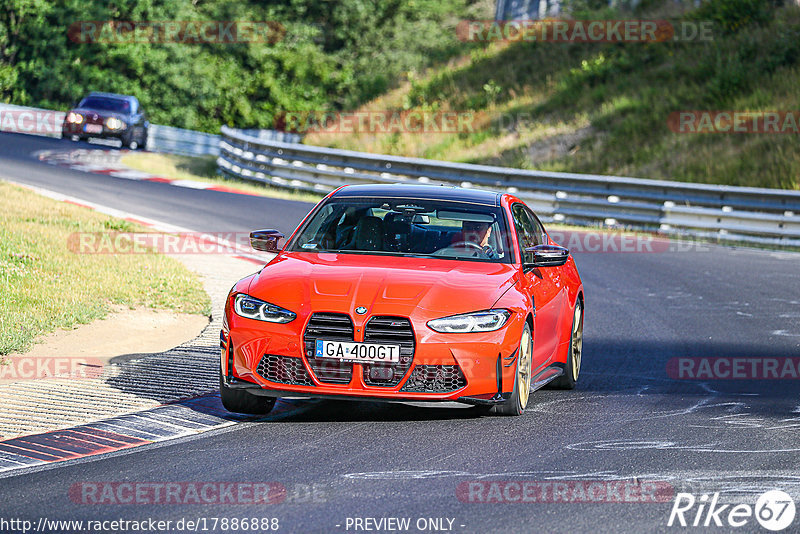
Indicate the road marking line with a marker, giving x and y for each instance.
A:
(76, 160)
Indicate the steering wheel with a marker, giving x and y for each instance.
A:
(469, 244)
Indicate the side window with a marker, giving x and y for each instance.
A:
(316, 232)
(541, 235)
(526, 231)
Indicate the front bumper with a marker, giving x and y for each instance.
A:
(489, 399)
(69, 129)
(264, 358)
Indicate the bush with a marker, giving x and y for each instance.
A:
(733, 15)
(333, 55)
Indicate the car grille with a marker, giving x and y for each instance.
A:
(435, 379)
(331, 327)
(389, 331)
(284, 370)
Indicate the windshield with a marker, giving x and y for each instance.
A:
(407, 227)
(106, 104)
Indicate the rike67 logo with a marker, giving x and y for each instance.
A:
(774, 510)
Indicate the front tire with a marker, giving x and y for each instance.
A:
(573, 367)
(143, 146)
(522, 382)
(241, 401)
(127, 140)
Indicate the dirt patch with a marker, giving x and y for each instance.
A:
(124, 331)
(558, 146)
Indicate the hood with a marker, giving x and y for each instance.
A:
(385, 285)
(102, 114)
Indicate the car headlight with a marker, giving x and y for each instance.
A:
(74, 118)
(252, 308)
(114, 123)
(482, 321)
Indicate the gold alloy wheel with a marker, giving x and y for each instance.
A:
(524, 368)
(577, 341)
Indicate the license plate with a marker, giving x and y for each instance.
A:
(93, 128)
(357, 352)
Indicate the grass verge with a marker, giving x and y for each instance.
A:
(204, 169)
(604, 107)
(45, 286)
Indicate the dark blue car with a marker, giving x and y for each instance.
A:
(108, 116)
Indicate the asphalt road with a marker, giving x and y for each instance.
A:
(627, 420)
(199, 210)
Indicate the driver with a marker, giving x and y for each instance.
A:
(478, 233)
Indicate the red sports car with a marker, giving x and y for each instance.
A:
(405, 293)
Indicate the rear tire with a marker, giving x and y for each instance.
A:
(522, 379)
(573, 367)
(241, 401)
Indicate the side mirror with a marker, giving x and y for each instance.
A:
(265, 240)
(547, 256)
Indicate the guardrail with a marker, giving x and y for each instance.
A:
(31, 121)
(179, 141)
(726, 213)
(191, 143)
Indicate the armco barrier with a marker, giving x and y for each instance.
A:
(188, 142)
(31, 121)
(179, 141)
(767, 216)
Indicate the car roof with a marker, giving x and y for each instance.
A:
(419, 191)
(112, 95)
